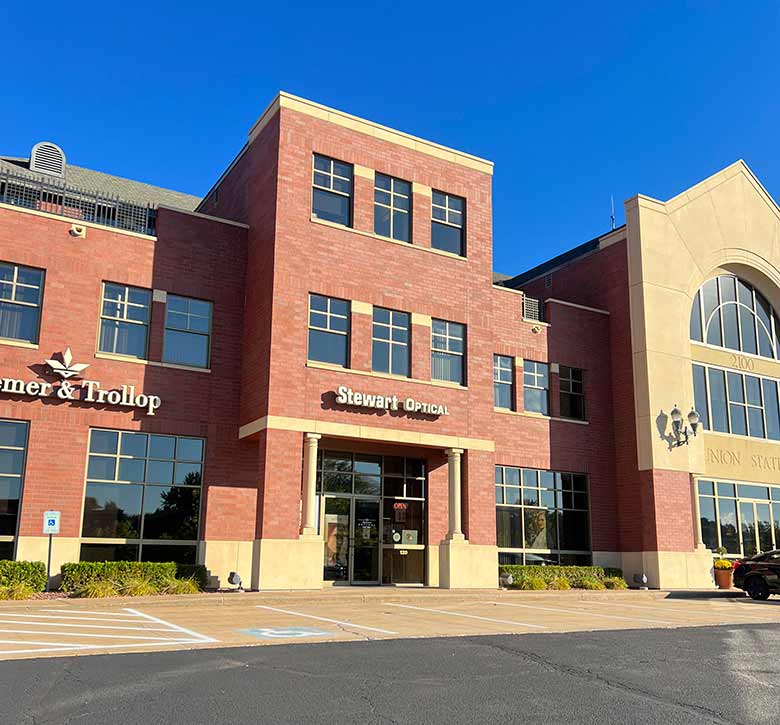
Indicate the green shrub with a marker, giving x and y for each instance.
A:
(18, 590)
(615, 582)
(533, 583)
(181, 586)
(198, 572)
(75, 576)
(549, 573)
(588, 582)
(96, 589)
(138, 587)
(32, 573)
(560, 583)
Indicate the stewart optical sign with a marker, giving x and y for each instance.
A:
(84, 391)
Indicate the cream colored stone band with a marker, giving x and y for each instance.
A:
(364, 432)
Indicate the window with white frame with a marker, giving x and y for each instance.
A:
(21, 291)
(124, 320)
(329, 330)
(448, 347)
(536, 387)
(332, 190)
(392, 207)
(448, 223)
(503, 382)
(187, 331)
(390, 342)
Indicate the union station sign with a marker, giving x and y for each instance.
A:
(84, 391)
(356, 399)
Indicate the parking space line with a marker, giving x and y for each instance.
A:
(686, 608)
(84, 611)
(19, 615)
(585, 612)
(461, 614)
(171, 626)
(325, 619)
(87, 626)
(84, 634)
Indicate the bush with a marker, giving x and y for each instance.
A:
(76, 576)
(615, 582)
(32, 573)
(96, 589)
(181, 586)
(550, 573)
(533, 583)
(588, 582)
(18, 590)
(197, 572)
(138, 587)
(559, 583)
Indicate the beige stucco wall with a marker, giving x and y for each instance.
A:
(36, 548)
(467, 566)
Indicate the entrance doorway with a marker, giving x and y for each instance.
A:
(351, 540)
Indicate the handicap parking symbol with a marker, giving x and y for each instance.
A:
(285, 632)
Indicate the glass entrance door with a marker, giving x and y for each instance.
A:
(351, 532)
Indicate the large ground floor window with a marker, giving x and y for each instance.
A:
(13, 452)
(372, 517)
(744, 518)
(542, 517)
(142, 497)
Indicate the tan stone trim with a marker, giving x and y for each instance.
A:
(363, 171)
(375, 130)
(362, 308)
(204, 216)
(508, 289)
(422, 189)
(159, 295)
(19, 343)
(372, 235)
(364, 432)
(79, 222)
(422, 320)
(540, 416)
(536, 322)
(742, 362)
(155, 363)
(579, 307)
(385, 376)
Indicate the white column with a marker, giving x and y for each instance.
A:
(309, 518)
(453, 463)
(696, 515)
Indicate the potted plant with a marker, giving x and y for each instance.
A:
(724, 570)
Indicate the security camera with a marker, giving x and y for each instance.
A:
(77, 230)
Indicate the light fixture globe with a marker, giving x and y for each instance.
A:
(676, 414)
(693, 417)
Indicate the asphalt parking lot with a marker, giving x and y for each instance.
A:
(78, 627)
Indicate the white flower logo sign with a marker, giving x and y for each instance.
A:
(67, 368)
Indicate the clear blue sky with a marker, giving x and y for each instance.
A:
(573, 103)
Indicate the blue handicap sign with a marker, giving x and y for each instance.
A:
(285, 632)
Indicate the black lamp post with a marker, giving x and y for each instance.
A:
(681, 431)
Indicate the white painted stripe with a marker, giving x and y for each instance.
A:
(685, 610)
(469, 616)
(88, 626)
(191, 633)
(84, 611)
(583, 611)
(84, 634)
(46, 644)
(325, 619)
(64, 647)
(125, 620)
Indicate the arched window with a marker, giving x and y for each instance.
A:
(728, 312)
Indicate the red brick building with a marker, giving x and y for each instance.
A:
(312, 375)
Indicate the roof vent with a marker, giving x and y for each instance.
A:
(47, 158)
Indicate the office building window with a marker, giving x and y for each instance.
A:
(332, 190)
(536, 387)
(572, 382)
(13, 451)
(448, 347)
(392, 208)
(390, 342)
(329, 330)
(142, 496)
(448, 223)
(187, 331)
(124, 320)
(542, 516)
(503, 382)
(21, 292)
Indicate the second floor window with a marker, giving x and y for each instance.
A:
(572, 382)
(390, 342)
(124, 320)
(447, 223)
(392, 214)
(536, 386)
(187, 331)
(332, 190)
(503, 381)
(21, 289)
(448, 346)
(329, 330)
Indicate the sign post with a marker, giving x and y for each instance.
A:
(51, 526)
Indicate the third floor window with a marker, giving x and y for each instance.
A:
(447, 223)
(332, 190)
(536, 386)
(392, 208)
(124, 320)
(187, 331)
(21, 290)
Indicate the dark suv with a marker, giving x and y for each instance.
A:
(759, 576)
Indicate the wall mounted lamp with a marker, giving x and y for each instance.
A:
(679, 429)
